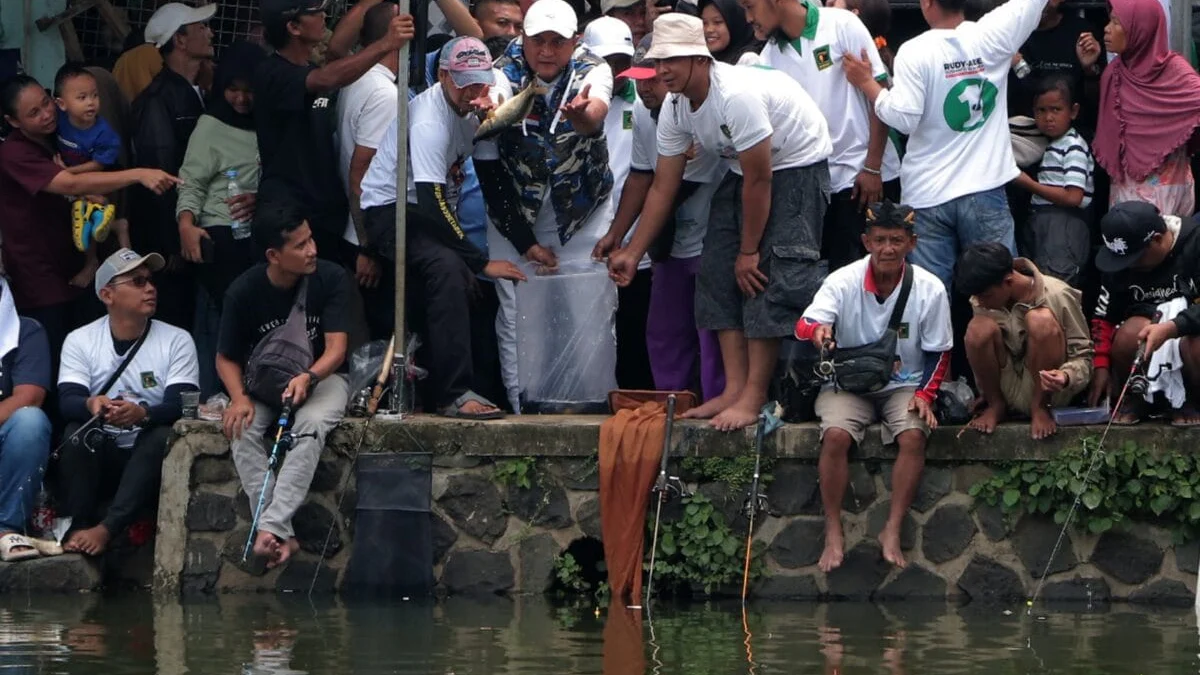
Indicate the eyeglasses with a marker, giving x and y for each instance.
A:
(137, 282)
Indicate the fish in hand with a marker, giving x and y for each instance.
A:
(509, 112)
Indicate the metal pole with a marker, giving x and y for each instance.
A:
(400, 364)
(1180, 21)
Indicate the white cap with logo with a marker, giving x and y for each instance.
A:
(551, 16)
(607, 36)
(125, 261)
(168, 19)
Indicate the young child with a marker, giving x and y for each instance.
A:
(87, 143)
(1058, 236)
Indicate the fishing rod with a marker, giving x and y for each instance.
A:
(754, 499)
(1138, 357)
(285, 419)
(663, 487)
(83, 429)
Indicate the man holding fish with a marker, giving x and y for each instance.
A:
(548, 183)
(442, 261)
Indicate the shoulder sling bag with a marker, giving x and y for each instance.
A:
(869, 368)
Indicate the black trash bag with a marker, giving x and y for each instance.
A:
(795, 384)
(954, 402)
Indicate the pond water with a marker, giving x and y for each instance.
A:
(252, 635)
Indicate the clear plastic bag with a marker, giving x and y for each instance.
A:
(365, 364)
(566, 338)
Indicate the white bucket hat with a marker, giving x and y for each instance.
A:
(677, 35)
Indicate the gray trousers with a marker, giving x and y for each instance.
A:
(320, 413)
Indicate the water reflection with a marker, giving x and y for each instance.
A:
(263, 634)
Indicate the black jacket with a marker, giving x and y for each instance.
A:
(164, 116)
(1138, 293)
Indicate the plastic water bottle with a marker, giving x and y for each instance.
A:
(241, 229)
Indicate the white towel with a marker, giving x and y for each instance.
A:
(1165, 369)
(10, 323)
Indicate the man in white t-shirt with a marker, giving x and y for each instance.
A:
(121, 426)
(442, 261)
(673, 343)
(950, 95)
(807, 42)
(365, 110)
(761, 260)
(854, 308)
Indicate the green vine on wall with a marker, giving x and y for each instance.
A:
(700, 549)
(736, 472)
(518, 472)
(1126, 483)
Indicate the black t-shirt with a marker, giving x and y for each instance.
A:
(1052, 52)
(296, 144)
(254, 307)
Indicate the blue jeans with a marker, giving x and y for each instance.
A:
(943, 231)
(24, 449)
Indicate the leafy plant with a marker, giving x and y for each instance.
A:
(700, 548)
(1127, 483)
(518, 471)
(569, 574)
(736, 472)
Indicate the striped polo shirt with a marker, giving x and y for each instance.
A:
(1067, 162)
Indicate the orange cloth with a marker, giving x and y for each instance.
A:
(135, 68)
(630, 450)
(624, 653)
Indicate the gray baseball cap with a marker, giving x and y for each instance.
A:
(125, 261)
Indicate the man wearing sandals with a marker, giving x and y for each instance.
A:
(24, 428)
(1148, 294)
(257, 302)
(442, 261)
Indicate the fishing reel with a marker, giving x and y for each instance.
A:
(288, 439)
(670, 487)
(825, 370)
(754, 504)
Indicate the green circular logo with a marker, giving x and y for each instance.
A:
(969, 104)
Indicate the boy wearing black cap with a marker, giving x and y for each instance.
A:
(1151, 268)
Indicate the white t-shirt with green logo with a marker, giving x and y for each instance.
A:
(950, 95)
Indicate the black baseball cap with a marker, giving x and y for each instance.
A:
(1126, 231)
(275, 10)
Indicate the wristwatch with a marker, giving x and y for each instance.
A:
(312, 380)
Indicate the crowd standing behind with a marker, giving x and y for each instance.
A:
(745, 172)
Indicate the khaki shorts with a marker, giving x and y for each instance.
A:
(1016, 384)
(853, 413)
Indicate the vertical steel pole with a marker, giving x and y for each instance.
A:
(1181, 27)
(400, 375)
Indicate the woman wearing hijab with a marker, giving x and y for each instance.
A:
(728, 36)
(1149, 110)
(224, 141)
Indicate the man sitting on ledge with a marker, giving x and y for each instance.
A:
(257, 302)
(1028, 343)
(855, 306)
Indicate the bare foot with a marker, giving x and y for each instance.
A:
(284, 552)
(988, 419)
(1043, 425)
(1185, 416)
(889, 539)
(737, 416)
(477, 408)
(266, 545)
(831, 558)
(714, 406)
(93, 541)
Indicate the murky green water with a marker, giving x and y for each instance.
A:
(268, 634)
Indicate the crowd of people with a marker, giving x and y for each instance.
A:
(745, 173)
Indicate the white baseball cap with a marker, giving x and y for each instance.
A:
(551, 16)
(125, 261)
(607, 6)
(168, 19)
(607, 36)
(676, 35)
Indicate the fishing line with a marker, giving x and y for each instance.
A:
(661, 491)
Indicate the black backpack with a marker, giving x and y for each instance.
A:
(281, 354)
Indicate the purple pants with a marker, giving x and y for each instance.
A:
(672, 338)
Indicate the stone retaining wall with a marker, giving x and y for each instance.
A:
(494, 538)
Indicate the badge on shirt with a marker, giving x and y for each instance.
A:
(627, 120)
(148, 380)
(902, 331)
(824, 60)
(725, 130)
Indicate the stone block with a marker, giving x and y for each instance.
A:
(936, 483)
(241, 506)
(969, 474)
(474, 504)
(577, 474)
(1126, 557)
(1078, 590)
(588, 517)
(1033, 541)
(947, 533)
(778, 587)
(1187, 557)
(68, 573)
(235, 546)
(794, 489)
(992, 521)
(298, 577)
(860, 574)
(478, 573)
(913, 583)
(543, 504)
(207, 469)
(455, 461)
(861, 492)
(317, 529)
(210, 512)
(443, 537)
(1164, 593)
(727, 502)
(327, 477)
(877, 518)
(799, 543)
(202, 557)
(537, 563)
(986, 580)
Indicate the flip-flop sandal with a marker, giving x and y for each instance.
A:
(1128, 408)
(1187, 410)
(101, 217)
(455, 410)
(80, 225)
(46, 547)
(14, 541)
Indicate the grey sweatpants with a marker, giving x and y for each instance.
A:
(320, 413)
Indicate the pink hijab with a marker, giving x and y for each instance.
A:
(1149, 97)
